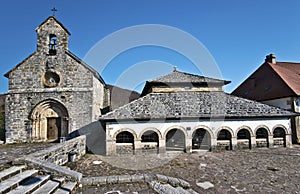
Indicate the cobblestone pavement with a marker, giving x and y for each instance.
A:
(264, 170)
(10, 152)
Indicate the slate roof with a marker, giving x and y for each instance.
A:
(193, 105)
(289, 73)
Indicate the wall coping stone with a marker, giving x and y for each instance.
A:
(35, 160)
(102, 180)
(50, 167)
(56, 147)
(162, 188)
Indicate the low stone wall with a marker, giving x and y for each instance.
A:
(59, 154)
(279, 142)
(261, 143)
(243, 144)
(223, 145)
(51, 159)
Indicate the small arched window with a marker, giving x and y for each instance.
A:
(52, 44)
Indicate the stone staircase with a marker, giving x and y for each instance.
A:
(21, 180)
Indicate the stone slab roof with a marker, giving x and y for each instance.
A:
(180, 77)
(193, 105)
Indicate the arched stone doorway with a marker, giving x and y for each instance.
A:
(243, 139)
(49, 121)
(150, 141)
(124, 142)
(201, 139)
(262, 138)
(224, 140)
(175, 140)
(279, 137)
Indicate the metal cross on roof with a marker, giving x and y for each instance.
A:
(54, 10)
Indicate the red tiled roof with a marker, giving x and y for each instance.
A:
(289, 73)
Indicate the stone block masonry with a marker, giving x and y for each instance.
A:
(51, 159)
(59, 154)
(52, 92)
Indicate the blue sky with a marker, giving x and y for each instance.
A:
(237, 33)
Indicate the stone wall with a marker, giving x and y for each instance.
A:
(2, 118)
(20, 106)
(51, 159)
(59, 154)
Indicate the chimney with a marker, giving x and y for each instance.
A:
(271, 58)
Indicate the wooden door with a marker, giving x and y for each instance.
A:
(53, 128)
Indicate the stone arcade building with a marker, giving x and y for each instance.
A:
(182, 111)
(52, 93)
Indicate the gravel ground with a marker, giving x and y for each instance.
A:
(265, 170)
(274, 170)
(10, 152)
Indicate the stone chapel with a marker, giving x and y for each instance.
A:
(52, 92)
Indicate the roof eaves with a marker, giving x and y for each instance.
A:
(7, 74)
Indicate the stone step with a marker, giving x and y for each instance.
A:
(30, 184)
(14, 181)
(49, 187)
(11, 172)
(66, 188)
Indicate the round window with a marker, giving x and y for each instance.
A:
(51, 79)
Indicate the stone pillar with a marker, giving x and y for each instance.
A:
(297, 125)
(234, 143)
(110, 142)
(138, 144)
(253, 142)
(110, 147)
(188, 145)
(288, 140)
(162, 146)
(271, 141)
(213, 144)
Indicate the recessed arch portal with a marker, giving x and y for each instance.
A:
(201, 139)
(175, 139)
(124, 137)
(243, 139)
(262, 139)
(124, 142)
(150, 140)
(224, 139)
(150, 136)
(49, 121)
(279, 136)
